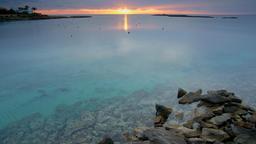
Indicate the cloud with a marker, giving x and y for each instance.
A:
(212, 6)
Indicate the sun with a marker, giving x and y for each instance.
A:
(124, 11)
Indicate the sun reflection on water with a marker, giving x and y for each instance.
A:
(126, 23)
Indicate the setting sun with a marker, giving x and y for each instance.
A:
(124, 11)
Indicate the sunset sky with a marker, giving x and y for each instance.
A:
(137, 6)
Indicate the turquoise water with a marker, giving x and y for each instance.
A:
(47, 63)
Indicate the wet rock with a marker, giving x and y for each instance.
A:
(162, 114)
(106, 140)
(214, 134)
(162, 136)
(181, 92)
(191, 97)
(219, 120)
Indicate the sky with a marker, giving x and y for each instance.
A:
(137, 6)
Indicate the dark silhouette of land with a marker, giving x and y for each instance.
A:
(27, 13)
(182, 15)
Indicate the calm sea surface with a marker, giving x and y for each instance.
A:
(47, 63)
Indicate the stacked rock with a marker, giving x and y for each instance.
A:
(220, 118)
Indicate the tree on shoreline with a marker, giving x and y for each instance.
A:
(20, 10)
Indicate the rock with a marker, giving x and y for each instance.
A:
(219, 110)
(196, 141)
(196, 125)
(245, 139)
(162, 136)
(235, 99)
(219, 120)
(253, 118)
(188, 124)
(179, 115)
(215, 99)
(202, 112)
(141, 142)
(219, 92)
(106, 140)
(214, 134)
(208, 125)
(138, 133)
(188, 133)
(181, 92)
(244, 124)
(231, 107)
(191, 97)
(162, 114)
(220, 97)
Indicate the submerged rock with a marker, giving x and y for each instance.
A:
(162, 114)
(106, 140)
(162, 136)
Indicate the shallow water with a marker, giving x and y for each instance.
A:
(49, 63)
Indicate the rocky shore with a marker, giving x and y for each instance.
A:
(220, 117)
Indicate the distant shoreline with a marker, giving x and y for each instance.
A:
(25, 17)
(181, 15)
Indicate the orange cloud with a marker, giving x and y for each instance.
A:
(159, 9)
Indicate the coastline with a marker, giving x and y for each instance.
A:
(26, 17)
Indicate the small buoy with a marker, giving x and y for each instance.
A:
(128, 32)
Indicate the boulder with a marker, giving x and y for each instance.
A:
(214, 134)
(162, 136)
(191, 97)
(219, 120)
(181, 92)
(162, 114)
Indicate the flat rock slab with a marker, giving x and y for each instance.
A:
(162, 136)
